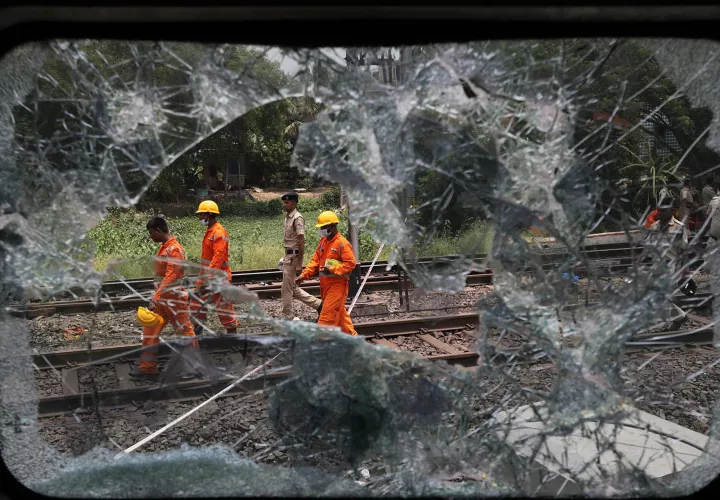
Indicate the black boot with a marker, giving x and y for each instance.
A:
(137, 374)
(198, 330)
(319, 311)
(689, 288)
(189, 375)
(232, 331)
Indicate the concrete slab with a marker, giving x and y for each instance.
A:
(595, 239)
(643, 440)
(367, 305)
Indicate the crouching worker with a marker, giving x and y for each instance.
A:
(169, 302)
(333, 260)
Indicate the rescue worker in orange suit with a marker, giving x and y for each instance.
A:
(333, 260)
(215, 255)
(169, 300)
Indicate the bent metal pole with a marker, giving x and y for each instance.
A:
(367, 275)
(184, 416)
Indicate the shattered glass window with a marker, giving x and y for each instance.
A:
(541, 321)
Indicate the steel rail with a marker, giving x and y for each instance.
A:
(374, 284)
(33, 310)
(191, 389)
(50, 405)
(69, 358)
(268, 276)
(370, 331)
(77, 358)
(604, 260)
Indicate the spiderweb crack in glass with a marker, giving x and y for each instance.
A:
(500, 135)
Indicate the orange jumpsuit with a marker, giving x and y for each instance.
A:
(170, 300)
(215, 255)
(334, 280)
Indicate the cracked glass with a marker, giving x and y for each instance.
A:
(547, 212)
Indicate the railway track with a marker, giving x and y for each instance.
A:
(269, 276)
(134, 300)
(381, 283)
(65, 365)
(608, 258)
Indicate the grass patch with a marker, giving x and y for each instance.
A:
(255, 242)
(475, 239)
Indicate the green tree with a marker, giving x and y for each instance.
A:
(618, 79)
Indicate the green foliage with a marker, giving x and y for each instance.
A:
(272, 208)
(331, 198)
(246, 208)
(462, 170)
(255, 242)
(306, 183)
(122, 234)
(258, 136)
(312, 205)
(475, 237)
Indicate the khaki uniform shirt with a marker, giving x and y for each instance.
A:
(294, 227)
(686, 202)
(708, 193)
(714, 214)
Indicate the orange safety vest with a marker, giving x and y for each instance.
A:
(651, 218)
(215, 252)
(168, 276)
(338, 249)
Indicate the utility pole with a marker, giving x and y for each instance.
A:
(354, 284)
(354, 237)
(354, 60)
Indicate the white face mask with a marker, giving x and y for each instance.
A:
(324, 233)
(204, 222)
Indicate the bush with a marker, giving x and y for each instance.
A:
(306, 183)
(280, 179)
(247, 208)
(275, 206)
(272, 208)
(122, 234)
(331, 198)
(256, 242)
(310, 205)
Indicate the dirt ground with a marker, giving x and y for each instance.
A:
(271, 194)
(680, 385)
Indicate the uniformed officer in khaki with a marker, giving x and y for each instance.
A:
(292, 263)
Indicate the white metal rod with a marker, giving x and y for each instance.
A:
(367, 275)
(183, 417)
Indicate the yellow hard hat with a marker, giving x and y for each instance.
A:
(326, 218)
(208, 207)
(147, 318)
